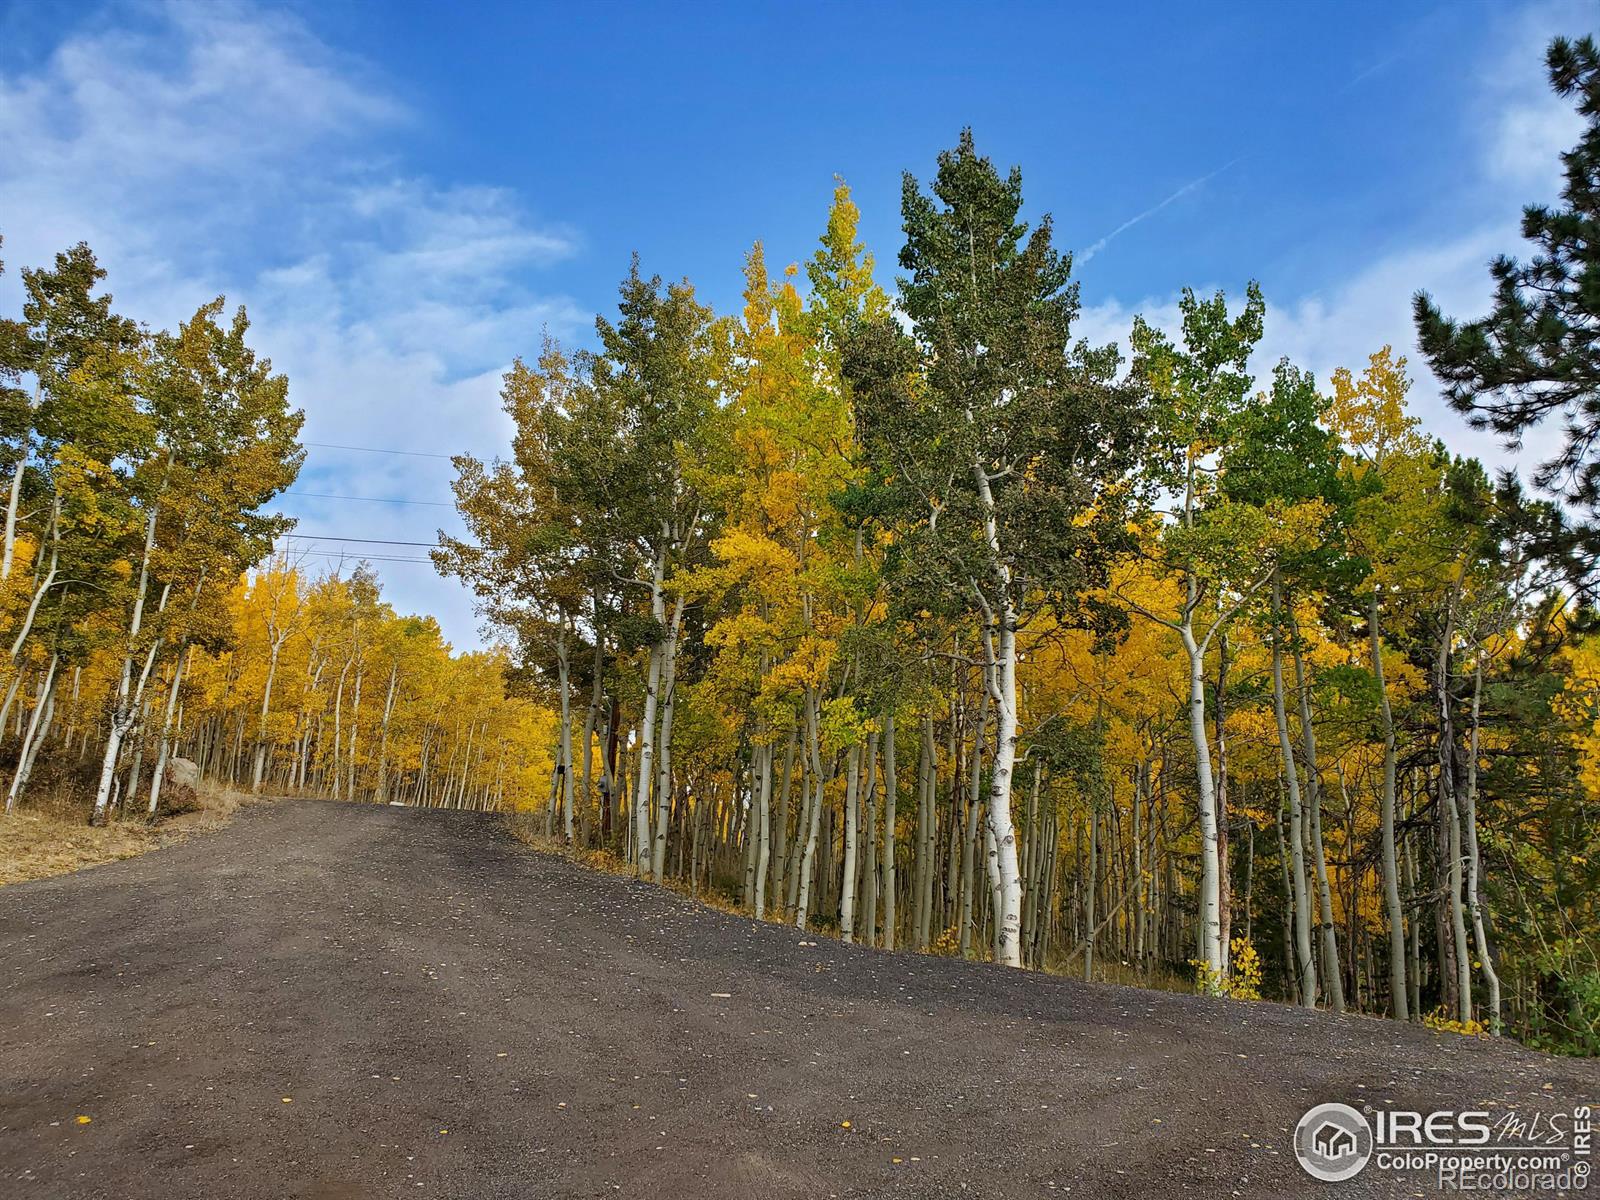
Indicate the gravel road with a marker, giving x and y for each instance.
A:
(327, 1000)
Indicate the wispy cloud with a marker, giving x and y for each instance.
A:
(1527, 124)
(206, 148)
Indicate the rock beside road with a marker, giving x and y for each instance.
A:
(184, 773)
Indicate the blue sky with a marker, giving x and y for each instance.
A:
(405, 194)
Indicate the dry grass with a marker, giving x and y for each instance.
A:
(53, 839)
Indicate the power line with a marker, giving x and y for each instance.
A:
(328, 537)
(376, 450)
(371, 499)
(381, 558)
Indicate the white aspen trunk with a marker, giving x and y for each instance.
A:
(11, 696)
(1008, 920)
(647, 724)
(564, 678)
(45, 585)
(927, 831)
(1450, 811)
(1219, 723)
(1391, 871)
(1090, 894)
(165, 748)
(591, 725)
(259, 769)
(1332, 975)
(763, 829)
(1030, 874)
(316, 664)
(126, 707)
(669, 676)
(355, 726)
(1458, 920)
(30, 740)
(887, 940)
(119, 729)
(969, 840)
(466, 764)
(1210, 938)
(813, 812)
(1137, 843)
(338, 732)
(797, 843)
(991, 862)
(591, 721)
(1003, 681)
(136, 768)
(13, 498)
(1474, 907)
(869, 845)
(1304, 962)
(44, 732)
(852, 834)
(1414, 941)
(744, 798)
(14, 492)
(780, 827)
(382, 792)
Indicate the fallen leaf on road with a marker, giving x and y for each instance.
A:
(84, 1120)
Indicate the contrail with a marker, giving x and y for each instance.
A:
(1085, 256)
(1152, 211)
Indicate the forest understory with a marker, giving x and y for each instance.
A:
(52, 835)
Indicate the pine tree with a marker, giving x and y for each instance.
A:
(1002, 466)
(1537, 354)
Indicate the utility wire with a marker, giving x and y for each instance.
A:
(371, 499)
(328, 537)
(339, 554)
(376, 450)
(365, 557)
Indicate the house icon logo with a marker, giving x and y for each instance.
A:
(1333, 1142)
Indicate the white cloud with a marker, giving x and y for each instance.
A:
(1528, 125)
(1524, 128)
(1343, 325)
(206, 148)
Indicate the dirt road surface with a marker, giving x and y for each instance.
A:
(336, 1001)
